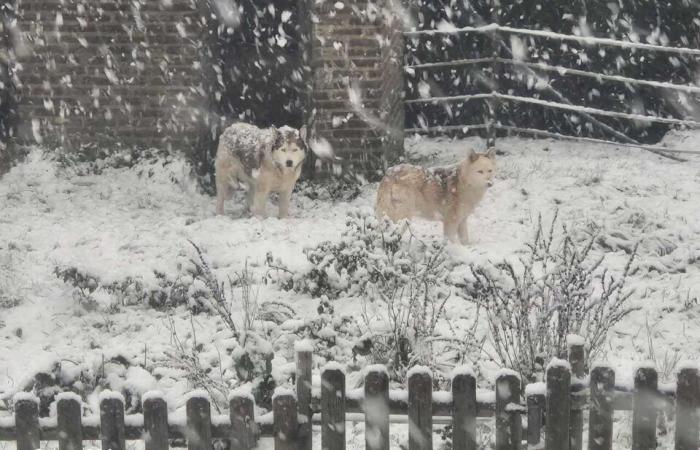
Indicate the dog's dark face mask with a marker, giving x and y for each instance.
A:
(289, 150)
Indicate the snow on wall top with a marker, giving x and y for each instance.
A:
(64, 396)
(152, 395)
(25, 397)
(241, 392)
(333, 365)
(304, 345)
(505, 373)
(379, 368)
(462, 370)
(644, 365)
(536, 389)
(574, 339)
(282, 391)
(556, 362)
(133, 420)
(197, 393)
(110, 395)
(7, 422)
(688, 364)
(419, 370)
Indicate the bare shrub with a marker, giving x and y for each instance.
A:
(401, 314)
(186, 357)
(253, 353)
(558, 287)
(400, 280)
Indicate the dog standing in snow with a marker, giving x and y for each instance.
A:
(448, 194)
(266, 160)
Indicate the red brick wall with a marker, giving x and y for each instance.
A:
(113, 70)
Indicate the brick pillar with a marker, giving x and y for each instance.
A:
(357, 61)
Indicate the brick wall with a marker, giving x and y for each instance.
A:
(110, 70)
(358, 82)
(131, 71)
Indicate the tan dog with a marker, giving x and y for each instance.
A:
(448, 194)
(266, 160)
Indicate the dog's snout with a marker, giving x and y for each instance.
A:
(290, 163)
(489, 183)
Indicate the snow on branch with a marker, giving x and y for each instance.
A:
(600, 112)
(599, 76)
(574, 108)
(456, 62)
(453, 98)
(590, 40)
(536, 132)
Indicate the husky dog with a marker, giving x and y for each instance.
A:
(448, 194)
(266, 160)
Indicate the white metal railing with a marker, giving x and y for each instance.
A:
(589, 40)
(561, 70)
(530, 66)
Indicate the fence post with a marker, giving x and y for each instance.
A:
(463, 409)
(112, 421)
(198, 412)
(508, 421)
(600, 419)
(27, 421)
(155, 421)
(420, 409)
(284, 416)
(534, 393)
(558, 405)
(645, 410)
(70, 430)
(687, 404)
(492, 103)
(332, 408)
(304, 350)
(242, 413)
(376, 407)
(577, 360)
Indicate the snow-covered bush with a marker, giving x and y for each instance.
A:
(237, 305)
(92, 158)
(401, 281)
(167, 292)
(333, 189)
(558, 287)
(86, 379)
(372, 259)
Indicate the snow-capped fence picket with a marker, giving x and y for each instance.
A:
(497, 64)
(550, 410)
(333, 407)
(376, 396)
(558, 405)
(600, 419)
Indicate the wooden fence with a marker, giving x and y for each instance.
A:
(554, 409)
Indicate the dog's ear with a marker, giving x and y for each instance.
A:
(279, 139)
(473, 156)
(491, 154)
(304, 133)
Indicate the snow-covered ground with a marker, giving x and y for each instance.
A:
(134, 222)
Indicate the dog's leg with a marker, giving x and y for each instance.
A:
(259, 199)
(450, 227)
(285, 197)
(250, 197)
(463, 233)
(222, 192)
